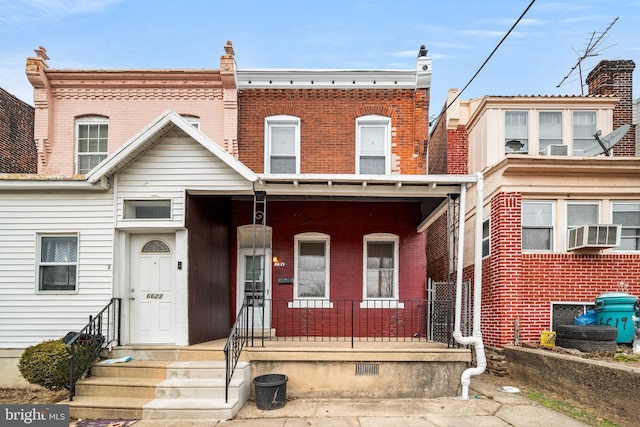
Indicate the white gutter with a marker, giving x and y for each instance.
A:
(476, 338)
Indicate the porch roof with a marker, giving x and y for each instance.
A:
(374, 186)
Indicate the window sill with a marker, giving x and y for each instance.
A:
(319, 303)
(381, 304)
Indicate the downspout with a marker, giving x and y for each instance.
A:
(476, 338)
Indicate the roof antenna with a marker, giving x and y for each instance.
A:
(588, 52)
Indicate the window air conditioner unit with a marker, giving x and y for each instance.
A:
(594, 236)
(556, 150)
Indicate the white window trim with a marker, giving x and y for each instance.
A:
(553, 227)
(192, 120)
(311, 302)
(88, 120)
(488, 238)
(369, 302)
(539, 139)
(126, 201)
(528, 138)
(611, 206)
(374, 119)
(274, 121)
(573, 119)
(38, 263)
(584, 305)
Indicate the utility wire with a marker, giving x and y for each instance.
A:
(486, 60)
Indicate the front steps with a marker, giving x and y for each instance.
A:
(160, 389)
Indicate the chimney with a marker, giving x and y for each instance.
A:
(615, 78)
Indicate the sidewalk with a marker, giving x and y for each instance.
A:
(487, 407)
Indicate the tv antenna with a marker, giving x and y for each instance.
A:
(594, 42)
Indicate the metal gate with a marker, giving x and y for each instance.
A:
(441, 311)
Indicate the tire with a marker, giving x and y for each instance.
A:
(587, 332)
(587, 346)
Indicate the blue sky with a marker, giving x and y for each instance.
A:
(362, 34)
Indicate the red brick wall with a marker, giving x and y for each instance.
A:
(346, 223)
(523, 286)
(616, 78)
(17, 147)
(328, 125)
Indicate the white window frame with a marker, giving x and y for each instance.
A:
(310, 302)
(552, 141)
(192, 120)
(374, 120)
(39, 263)
(551, 227)
(508, 137)
(381, 302)
(486, 239)
(87, 121)
(129, 205)
(271, 123)
(590, 133)
(586, 306)
(582, 203)
(613, 220)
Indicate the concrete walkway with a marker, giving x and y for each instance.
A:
(487, 407)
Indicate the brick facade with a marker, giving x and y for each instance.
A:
(17, 148)
(328, 125)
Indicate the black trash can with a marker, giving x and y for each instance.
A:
(271, 391)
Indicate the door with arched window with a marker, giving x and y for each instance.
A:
(152, 285)
(254, 274)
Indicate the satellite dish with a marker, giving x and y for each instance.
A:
(606, 143)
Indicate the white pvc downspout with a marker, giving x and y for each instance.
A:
(476, 338)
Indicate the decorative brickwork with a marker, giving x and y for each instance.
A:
(17, 147)
(328, 125)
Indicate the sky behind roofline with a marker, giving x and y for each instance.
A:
(349, 34)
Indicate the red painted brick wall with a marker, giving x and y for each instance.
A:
(17, 147)
(346, 223)
(448, 151)
(328, 125)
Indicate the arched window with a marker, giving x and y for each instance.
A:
(155, 246)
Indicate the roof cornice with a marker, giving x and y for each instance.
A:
(325, 79)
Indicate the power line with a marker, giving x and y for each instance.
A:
(485, 61)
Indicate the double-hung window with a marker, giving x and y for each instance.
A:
(311, 266)
(516, 132)
(380, 267)
(550, 129)
(627, 214)
(537, 226)
(373, 135)
(282, 145)
(92, 142)
(57, 262)
(584, 127)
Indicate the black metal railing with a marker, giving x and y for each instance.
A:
(346, 320)
(235, 343)
(85, 346)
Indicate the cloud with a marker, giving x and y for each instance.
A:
(26, 11)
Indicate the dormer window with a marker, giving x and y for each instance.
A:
(516, 132)
(92, 142)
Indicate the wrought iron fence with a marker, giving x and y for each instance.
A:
(84, 347)
(235, 343)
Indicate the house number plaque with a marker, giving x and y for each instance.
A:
(154, 296)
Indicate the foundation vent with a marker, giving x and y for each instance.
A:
(367, 369)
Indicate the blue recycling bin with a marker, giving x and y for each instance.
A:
(617, 309)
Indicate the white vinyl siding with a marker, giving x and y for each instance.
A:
(26, 315)
(175, 164)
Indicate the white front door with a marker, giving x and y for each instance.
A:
(255, 287)
(152, 286)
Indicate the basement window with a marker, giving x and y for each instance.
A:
(147, 209)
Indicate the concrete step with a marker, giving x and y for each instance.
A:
(143, 388)
(100, 407)
(161, 389)
(132, 369)
(179, 388)
(191, 409)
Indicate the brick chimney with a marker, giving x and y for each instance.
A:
(616, 78)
